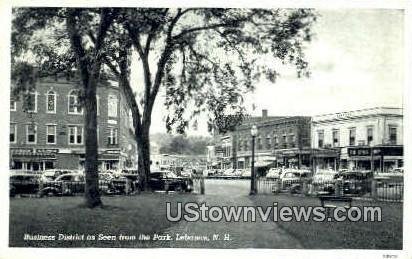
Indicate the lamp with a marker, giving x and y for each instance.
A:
(253, 132)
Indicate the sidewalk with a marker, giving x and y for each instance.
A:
(242, 234)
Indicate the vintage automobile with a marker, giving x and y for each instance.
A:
(324, 181)
(274, 173)
(355, 182)
(125, 182)
(292, 179)
(166, 180)
(24, 183)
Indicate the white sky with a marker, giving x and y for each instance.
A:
(356, 59)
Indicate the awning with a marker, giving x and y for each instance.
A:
(263, 163)
(30, 156)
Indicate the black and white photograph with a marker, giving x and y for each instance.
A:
(277, 128)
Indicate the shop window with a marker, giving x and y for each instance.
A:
(13, 133)
(51, 102)
(31, 134)
(352, 138)
(75, 135)
(51, 134)
(392, 135)
(73, 103)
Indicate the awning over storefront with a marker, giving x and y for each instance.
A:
(263, 163)
(26, 155)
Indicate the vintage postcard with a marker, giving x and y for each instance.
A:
(280, 127)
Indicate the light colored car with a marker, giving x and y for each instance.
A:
(229, 172)
(274, 173)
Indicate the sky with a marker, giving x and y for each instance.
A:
(356, 60)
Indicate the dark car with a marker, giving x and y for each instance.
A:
(166, 180)
(24, 183)
(355, 182)
(66, 184)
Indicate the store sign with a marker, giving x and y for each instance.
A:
(47, 150)
(359, 151)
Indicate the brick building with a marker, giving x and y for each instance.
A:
(281, 141)
(47, 130)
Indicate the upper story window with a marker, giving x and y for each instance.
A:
(112, 138)
(292, 140)
(259, 143)
(75, 135)
(30, 103)
(239, 145)
(321, 138)
(112, 106)
(97, 105)
(335, 138)
(284, 141)
(13, 105)
(51, 102)
(369, 135)
(31, 134)
(268, 142)
(352, 136)
(275, 140)
(393, 131)
(73, 103)
(51, 134)
(13, 133)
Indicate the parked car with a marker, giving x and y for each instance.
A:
(160, 180)
(324, 181)
(355, 182)
(119, 182)
(66, 184)
(24, 183)
(274, 173)
(292, 179)
(52, 174)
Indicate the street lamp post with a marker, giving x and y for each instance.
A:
(253, 132)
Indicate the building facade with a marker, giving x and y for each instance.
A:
(280, 142)
(370, 139)
(46, 129)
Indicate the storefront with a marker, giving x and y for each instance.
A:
(381, 158)
(32, 159)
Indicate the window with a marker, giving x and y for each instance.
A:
(112, 106)
(352, 134)
(97, 105)
(13, 133)
(73, 103)
(12, 105)
(31, 134)
(321, 136)
(30, 104)
(284, 141)
(392, 135)
(259, 143)
(239, 144)
(75, 135)
(276, 141)
(369, 134)
(51, 134)
(335, 138)
(292, 140)
(268, 142)
(112, 138)
(51, 102)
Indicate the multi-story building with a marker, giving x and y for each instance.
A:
(365, 139)
(281, 141)
(46, 130)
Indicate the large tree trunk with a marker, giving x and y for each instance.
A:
(92, 194)
(143, 152)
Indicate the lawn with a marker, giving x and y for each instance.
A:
(337, 235)
(126, 215)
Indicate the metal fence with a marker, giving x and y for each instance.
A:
(375, 189)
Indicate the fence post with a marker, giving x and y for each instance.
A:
(202, 185)
(374, 191)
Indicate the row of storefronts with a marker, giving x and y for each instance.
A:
(368, 139)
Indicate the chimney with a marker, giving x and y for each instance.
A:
(264, 113)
